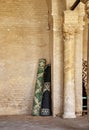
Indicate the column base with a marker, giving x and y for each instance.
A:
(69, 115)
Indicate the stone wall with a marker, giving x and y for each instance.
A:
(24, 38)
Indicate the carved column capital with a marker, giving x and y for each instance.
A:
(79, 29)
(69, 31)
(84, 1)
(70, 22)
(87, 8)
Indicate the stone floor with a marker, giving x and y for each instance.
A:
(42, 123)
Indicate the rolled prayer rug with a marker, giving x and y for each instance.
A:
(46, 98)
(38, 88)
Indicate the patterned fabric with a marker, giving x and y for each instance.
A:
(45, 112)
(84, 85)
(46, 98)
(38, 88)
(84, 74)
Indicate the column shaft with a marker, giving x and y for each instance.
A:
(57, 66)
(57, 56)
(70, 22)
(69, 92)
(78, 59)
(78, 71)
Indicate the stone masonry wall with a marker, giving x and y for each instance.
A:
(24, 38)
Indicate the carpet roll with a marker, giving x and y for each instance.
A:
(46, 98)
(38, 88)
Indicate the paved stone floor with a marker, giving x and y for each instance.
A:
(42, 123)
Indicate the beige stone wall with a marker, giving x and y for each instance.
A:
(29, 30)
(24, 38)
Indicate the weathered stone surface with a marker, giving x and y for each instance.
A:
(78, 59)
(24, 38)
(69, 66)
(57, 57)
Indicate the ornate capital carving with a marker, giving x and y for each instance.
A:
(79, 29)
(70, 24)
(84, 1)
(69, 31)
(87, 8)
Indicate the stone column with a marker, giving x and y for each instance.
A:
(78, 54)
(57, 56)
(57, 66)
(78, 70)
(70, 22)
(78, 59)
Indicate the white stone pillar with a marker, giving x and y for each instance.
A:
(78, 59)
(78, 71)
(57, 57)
(70, 22)
(57, 66)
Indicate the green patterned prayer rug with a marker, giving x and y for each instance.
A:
(38, 88)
